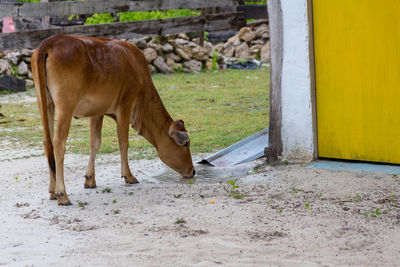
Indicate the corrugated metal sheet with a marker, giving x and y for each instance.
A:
(248, 149)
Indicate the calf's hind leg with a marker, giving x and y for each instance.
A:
(96, 124)
(64, 118)
(50, 116)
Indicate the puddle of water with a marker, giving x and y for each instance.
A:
(206, 174)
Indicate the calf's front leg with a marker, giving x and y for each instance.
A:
(96, 124)
(123, 131)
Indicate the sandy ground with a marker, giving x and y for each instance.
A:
(290, 216)
(285, 215)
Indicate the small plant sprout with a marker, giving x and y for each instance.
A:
(295, 190)
(116, 211)
(233, 184)
(106, 190)
(82, 204)
(177, 195)
(307, 205)
(14, 71)
(378, 211)
(374, 213)
(130, 194)
(357, 198)
(191, 181)
(233, 190)
(180, 221)
(114, 201)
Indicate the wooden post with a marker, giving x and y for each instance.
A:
(312, 73)
(275, 147)
(46, 19)
(201, 42)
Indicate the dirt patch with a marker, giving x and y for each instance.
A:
(284, 215)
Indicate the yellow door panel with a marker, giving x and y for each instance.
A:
(357, 67)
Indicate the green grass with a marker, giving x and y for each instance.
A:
(218, 108)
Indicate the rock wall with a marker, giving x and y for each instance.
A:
(170, 53)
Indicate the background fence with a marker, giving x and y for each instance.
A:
(252, 11)
(226, 19)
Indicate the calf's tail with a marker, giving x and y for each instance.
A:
(39, 75)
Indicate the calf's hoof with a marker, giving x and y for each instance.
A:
(62, 199)
(90, 182)
(53, 196)
(130, 180)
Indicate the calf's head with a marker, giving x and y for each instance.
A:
(175, 150)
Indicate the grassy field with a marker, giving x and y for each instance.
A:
(218, 108)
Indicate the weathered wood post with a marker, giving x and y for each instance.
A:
(274, 149)
(201, 41)
(45, 19)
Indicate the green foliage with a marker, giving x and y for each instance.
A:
(179, 69)
(233, 184)
(374, 214)
(206, 36)
(214, 60)
(234, 191)
(357, 198)
(14, 71)
(6, 92)
(148, 15)
(73, 16)
(259, 2)
(378, 211)
(101, 18)
(106, 190)
(82, 204)
(295, 189)
(140, 15)
(180, 221)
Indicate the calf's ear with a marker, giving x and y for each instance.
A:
(177, 132)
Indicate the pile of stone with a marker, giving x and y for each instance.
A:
(171, 53)
(15, 70)
(175, 53)
(250, 43)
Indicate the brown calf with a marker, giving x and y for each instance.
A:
(92, 77)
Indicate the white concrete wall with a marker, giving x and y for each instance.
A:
(297, 124)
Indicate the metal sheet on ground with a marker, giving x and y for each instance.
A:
(355, 166)
(248, 149)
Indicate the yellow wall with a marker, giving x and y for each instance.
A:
(357, 64)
